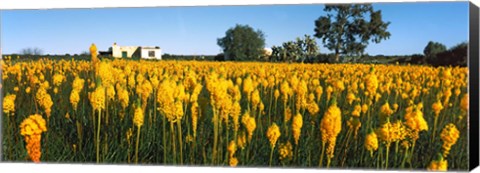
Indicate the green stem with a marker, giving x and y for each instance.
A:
(328, 162)
(321, 155)
(270, 106)
(98, 136)
(164, 140)
(215, 136)
(386, 160)
(434, 129)
(271, 155)
(404, 158)
(10, 146)
(179, 126)
(172, 130)
(136, 147)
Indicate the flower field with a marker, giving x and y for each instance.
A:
(240, 114)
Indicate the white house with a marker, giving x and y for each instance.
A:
(145, 52)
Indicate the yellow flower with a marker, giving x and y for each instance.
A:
(356, 111)
(331, 123)
(195, 115)
(438, 165)
(288, 115)
(232, 148)
(464, 103)
(33, 125)
(110, 92)
(371, 142)
(233, 161)
(371, 84)
(44, 99)
(78, 83)
(350, 97)
(67, 116)
(249, 123)
(449, 136)
(123, 96)
(392, 132)
(285, 151)
(9, 104)
(364, 108)
(386, 110)
(339, 86)
(138, 117)
(285, 90)
(297, 124)
(437, 107)
(248, 86)
(395, 107)
(58, 79)
(273, 133)
(105, 73)
(129, 134)
(414, 120)
(319, 91)
(241, 140)
(276, 94)
(74, 99)
(255, 99)
(313, 108)
(97, 98)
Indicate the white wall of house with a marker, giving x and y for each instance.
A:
(145, 53)
(117, 50)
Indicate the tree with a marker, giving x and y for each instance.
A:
(31, 51)
(345, 29)
(300, 50)
(242, 43)
(455, 56)
(432, 49)
(309, 47)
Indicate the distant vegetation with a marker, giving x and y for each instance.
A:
(346, 31)
(242, 43)
(31, 51)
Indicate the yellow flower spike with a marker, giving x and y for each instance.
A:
(356, 111)
(32, 128)
(273, 133)
(233, 161)
(249, 123)
(464, 103)
(330, 126)
(386, 110)
(440, 164)
(371, 142)
(285, 151)
(437, 107)
(138, 117)
(232, 148)
(449, 136)
(297, 124)
(9, 104)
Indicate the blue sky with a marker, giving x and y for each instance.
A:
(194, 30)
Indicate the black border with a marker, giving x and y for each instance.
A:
(473, 86)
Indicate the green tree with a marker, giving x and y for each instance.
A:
(345, 29)
(300, 50)
(310, 48)
(242, 43)
(432, 49)
(31, 51)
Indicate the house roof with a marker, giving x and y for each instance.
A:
(149, 47)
